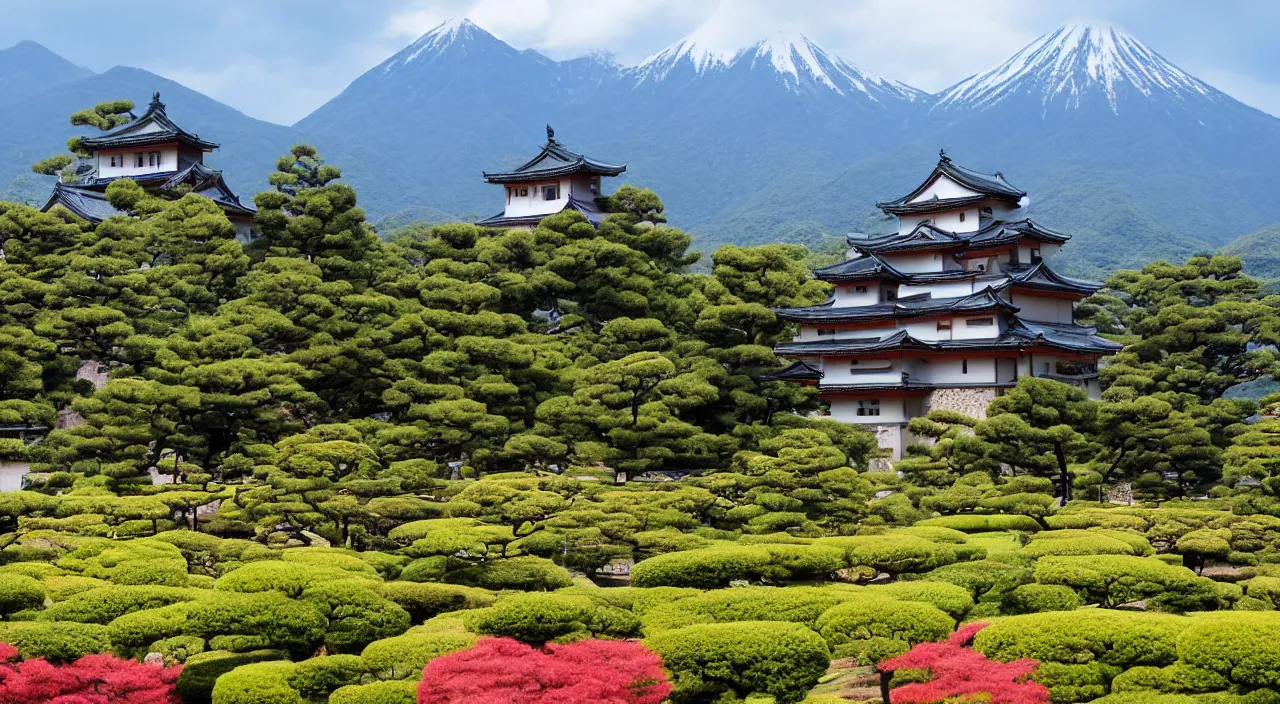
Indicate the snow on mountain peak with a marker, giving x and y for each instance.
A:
(1069, 61)
(794, 58)
(436, 40)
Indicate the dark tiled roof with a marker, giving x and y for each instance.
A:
(593, 214)
(1041, 278)
(127, 135)
(88, 200)
(1020, 334)
(984, 300)
(926, 236)
(796, 372)
(87, 204)
(931, 205)
(554, 161)
(860, 269)
(987, 185)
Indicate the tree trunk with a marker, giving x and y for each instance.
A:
(1063, 475)
(884, 686)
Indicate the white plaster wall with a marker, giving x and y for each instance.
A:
(533, 204)
(961, 330)
(847, 294)
(846, 411)
(943, 187)
(168, 162)
(950, 371)
(915, 262)
(949, 289)
(838, 370)
(1044, 309)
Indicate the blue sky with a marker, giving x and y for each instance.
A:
(278, 60)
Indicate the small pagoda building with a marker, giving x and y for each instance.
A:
(553, 181)
(945, 313)
(160, 156)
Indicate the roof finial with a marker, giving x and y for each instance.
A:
(551, 134)
(155, 100)
(942, 156)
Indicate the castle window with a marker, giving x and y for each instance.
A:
(826, 331)
(980, 322)
(870, 407)
(1035, 256)
(551, 192)
(961, 216)
(944, 325)
(964, 366)
(859, 289)
(890, 295)
(524, 191)
(153, 158)
(137, 159)
(115, 162)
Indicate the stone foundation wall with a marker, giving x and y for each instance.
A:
(971, 402)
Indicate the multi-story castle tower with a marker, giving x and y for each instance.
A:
(553, 181)
(945, 313)
(159, 155)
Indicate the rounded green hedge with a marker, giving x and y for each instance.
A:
(522, 573)
(202, 670)
(19, 592)
(1120, 638)
(792, 604)
(423, 599)
(257, 683)
(783, 660)
(1244, 647)
(537, 618)
(713, 567)
(984, 523)
(873, 629)
(389, 692)
(1037, 598)
(60, 641)
(404, 656)
(105, 604)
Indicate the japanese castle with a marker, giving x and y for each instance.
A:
(553, 181)
(160, 156)
(945, 313)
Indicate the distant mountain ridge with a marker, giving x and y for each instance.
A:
(780, 140)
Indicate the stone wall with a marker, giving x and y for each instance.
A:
(971, 402)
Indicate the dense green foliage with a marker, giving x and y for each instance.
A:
(374, 453)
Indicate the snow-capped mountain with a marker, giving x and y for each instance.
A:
(1076, 64)
(796, 61)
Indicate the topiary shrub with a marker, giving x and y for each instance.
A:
(980, 577)
(1085, 542)
(314, 678)
(388, 692)
(1178, 678)
(793, 604)
(891, 554)
(288, 578)
(257, 683)
(426, 569)
(709, 568)
(950, 598)
(1120, 638)
(424, 600)
(201, 670)
(19, 592)
(105, 604)
(638, 600)
(874, 629)
(783, 660)
(1243, 647)
(984, 523)
(1110, 580)
(357, 614)
(57, 641)
(522, 573)
(1035, 598)
(404, 656)
(538, 618)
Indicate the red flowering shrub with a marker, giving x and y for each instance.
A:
(959, 671)
(93, 679)
(506, 671)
